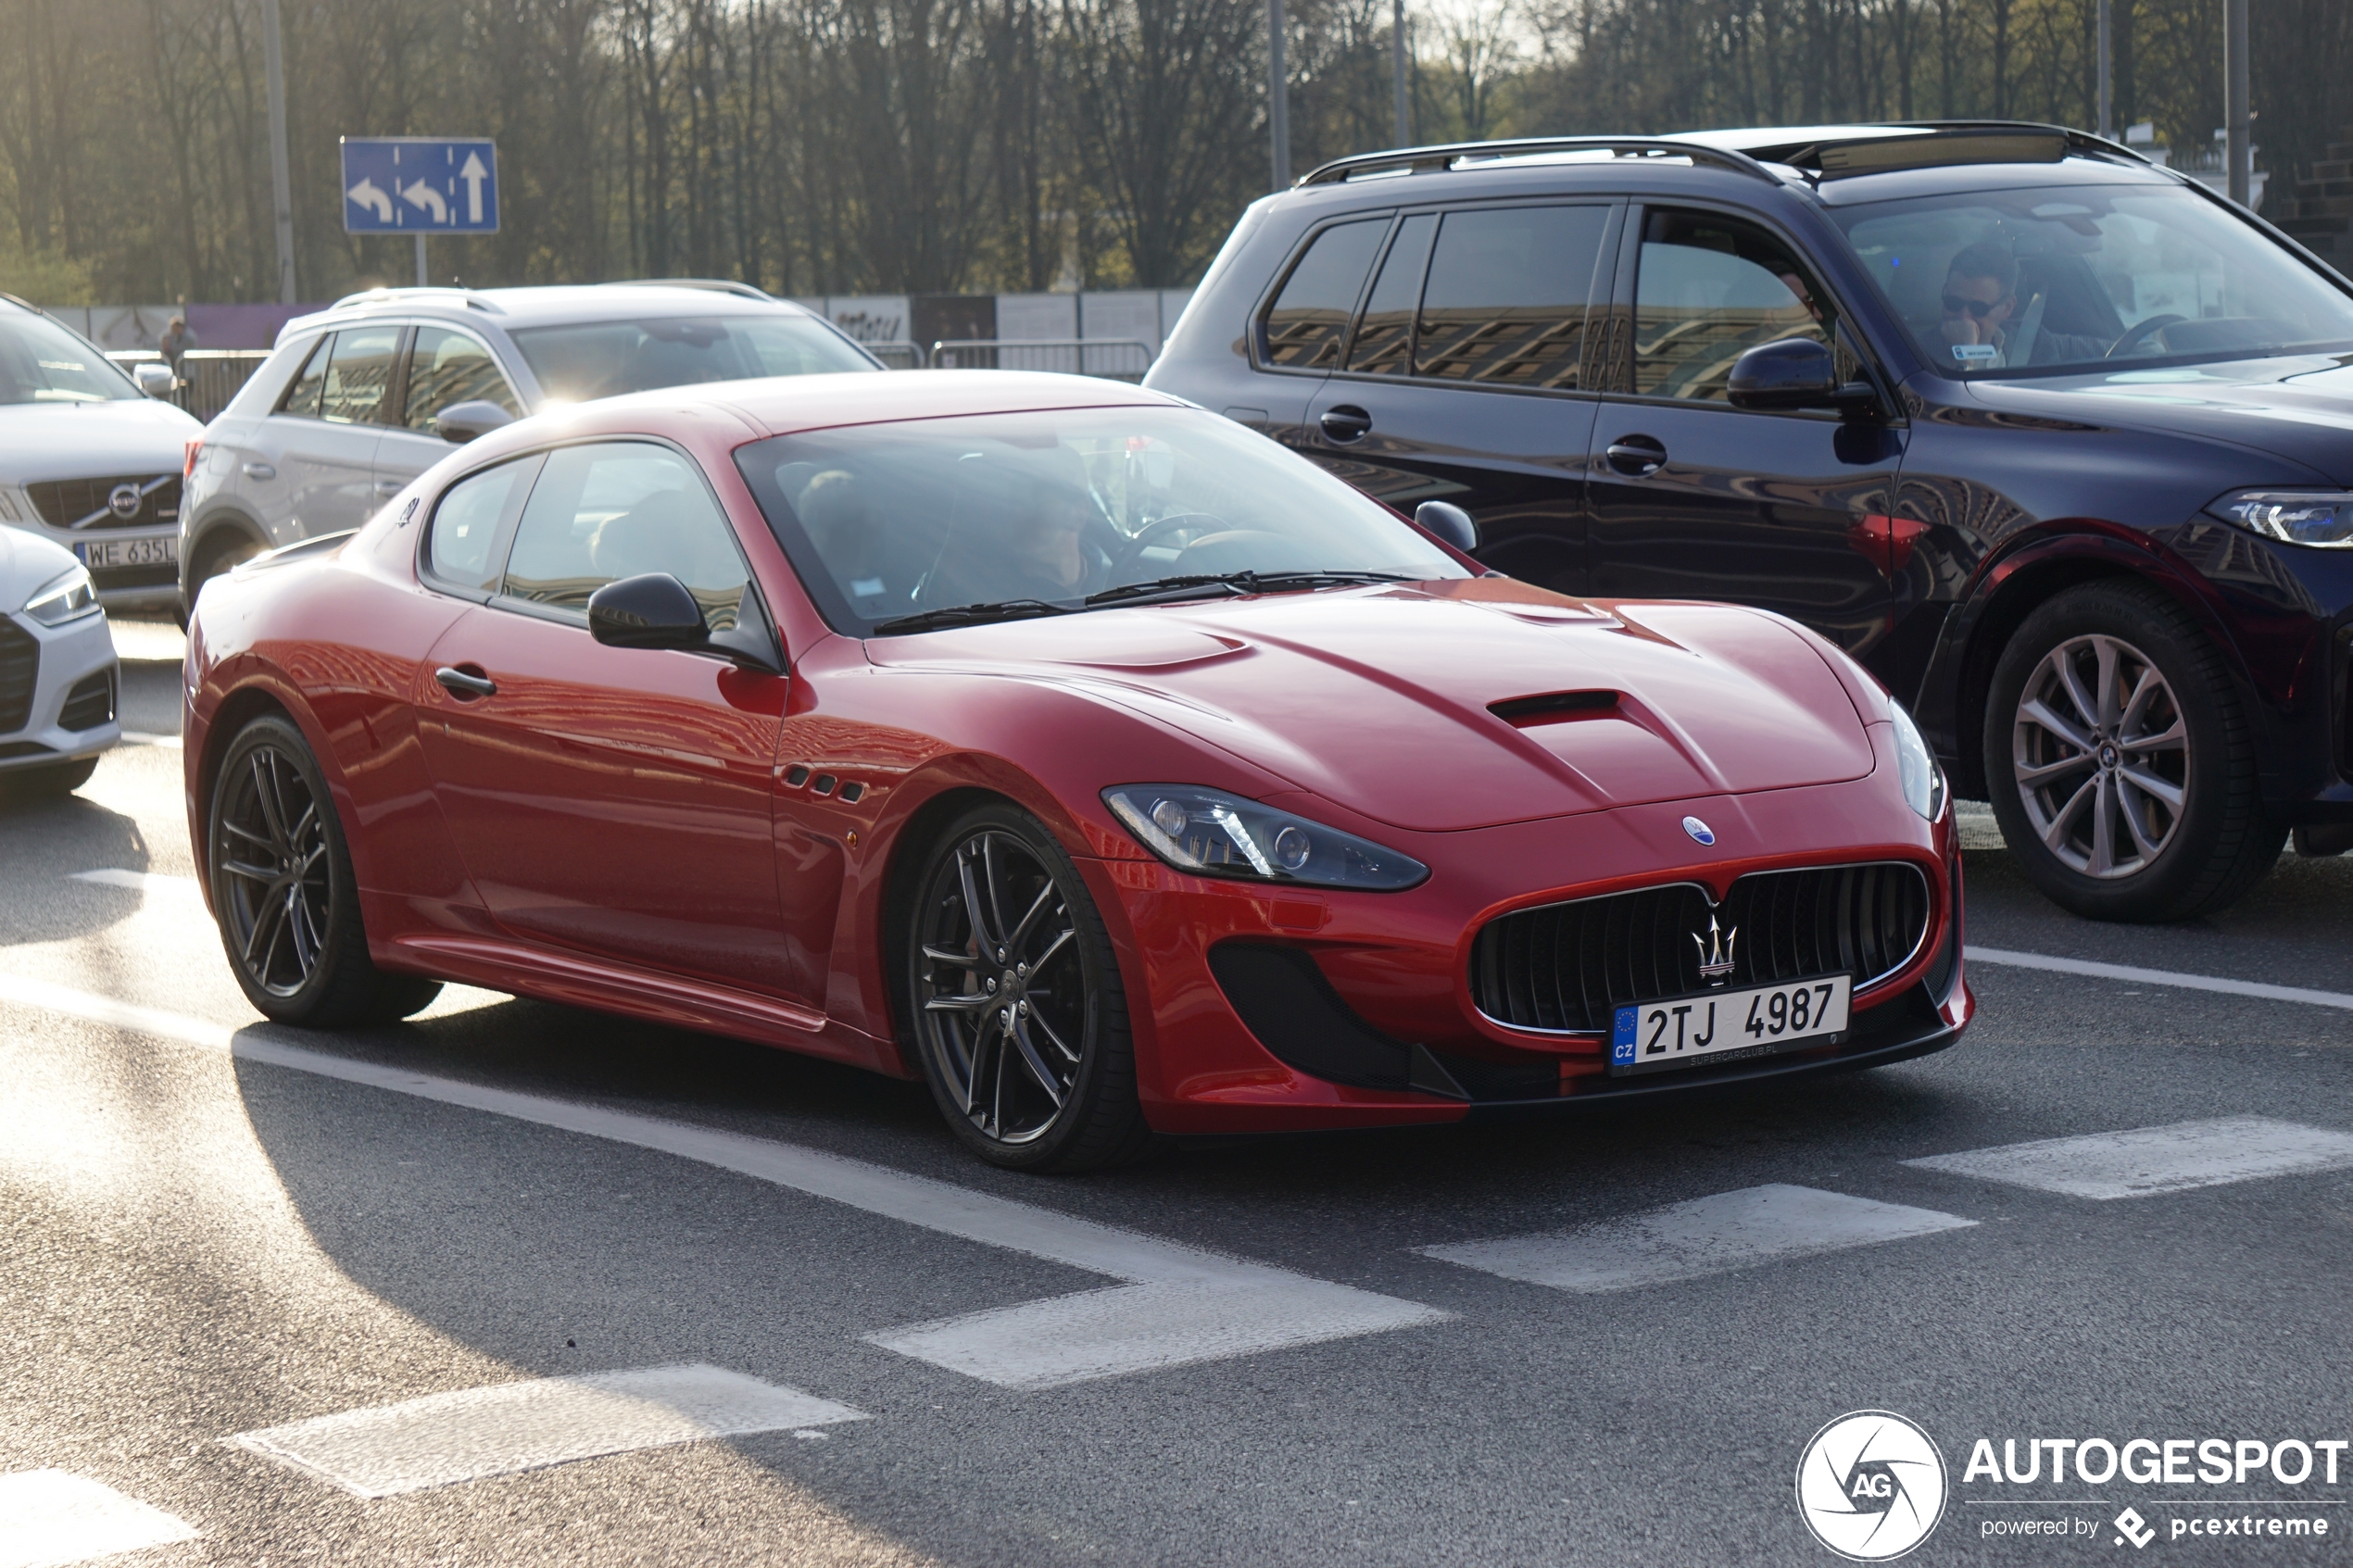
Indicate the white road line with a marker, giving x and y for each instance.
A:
(50, 1517)
(155, 882)
(1707, 1236)
(446, 1438)
(142, 737)
(1178, 1304)
(2158, 977)
(2154, 1160)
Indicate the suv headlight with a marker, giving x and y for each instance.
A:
(1210, 833)
(64, 598)
(1916, 766)
(2311, 517)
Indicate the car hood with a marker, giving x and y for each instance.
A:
(1383, 700)
(2298, 408)
(28, 561)
(42, 441)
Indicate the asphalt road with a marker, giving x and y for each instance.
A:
(211, 1228)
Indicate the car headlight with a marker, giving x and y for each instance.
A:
(2311, 517)
(64, 598)
(1210, 833)
(1916, 766)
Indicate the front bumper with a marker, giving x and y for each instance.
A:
(59, 687)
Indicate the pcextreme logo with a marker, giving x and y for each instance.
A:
(1870, 1485)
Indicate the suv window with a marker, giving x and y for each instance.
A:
(359, 372)
(446, 366)
(466, 523)
(1384, 342)
(605, 358)
(617, 510)
(1504, 303)
(302, 397)
(1709, 290)
(1309, 318)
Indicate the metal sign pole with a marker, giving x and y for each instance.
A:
(420, 259)
(2237, 117)
(1277, 96)
(1396, 60)
(2108, 74)
(280, 187)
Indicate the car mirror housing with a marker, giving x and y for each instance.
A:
(653, 610)
(461, 422)
(154, 381)
(1450, 522)
(1796, 372)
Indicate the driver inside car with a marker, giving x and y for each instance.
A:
(1021, 534)
(1981, 303)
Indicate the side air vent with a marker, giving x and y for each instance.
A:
(1551, 707)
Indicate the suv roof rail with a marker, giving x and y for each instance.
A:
(387, 296)
(712, 285)
(1446, 156)
(1807, 156)
(24, 304)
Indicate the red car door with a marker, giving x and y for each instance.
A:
(612, 800)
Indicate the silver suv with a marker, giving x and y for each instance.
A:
(362, 397)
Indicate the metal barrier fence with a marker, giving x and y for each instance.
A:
(1110, 357)
(209, 377)
(897, 355)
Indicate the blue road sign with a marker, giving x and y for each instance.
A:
(420, 185)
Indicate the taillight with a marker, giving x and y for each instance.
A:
(188, 454)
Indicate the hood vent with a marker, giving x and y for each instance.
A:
(1553, 708)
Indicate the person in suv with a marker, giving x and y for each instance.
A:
(2055, 441)
(364, 397)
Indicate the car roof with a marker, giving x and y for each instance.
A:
(552, 305)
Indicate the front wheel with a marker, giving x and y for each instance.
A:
(2121, 764)
(1014, 998)
(283, 893)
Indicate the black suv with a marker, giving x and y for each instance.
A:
(2054, 441)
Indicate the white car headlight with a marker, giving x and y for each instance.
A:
(1211, 833)
(64, 598)
(2309, 517)
(1916, 766)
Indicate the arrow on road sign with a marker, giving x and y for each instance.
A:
(368, 194)
(425, 198)
(474, 174)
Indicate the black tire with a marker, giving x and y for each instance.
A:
(1019, 1017)
(223, 555)
(50, 781)
(2166, 769)
(283, 894)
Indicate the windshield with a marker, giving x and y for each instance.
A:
(41, 362)
(605, 358)
(889, 521)
(2083, 275)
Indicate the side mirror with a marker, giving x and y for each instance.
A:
(650, 611)
(1796, 372)
(1450, 522)
(461, 422)
(154, 381)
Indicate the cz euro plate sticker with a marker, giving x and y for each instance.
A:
(1678, 1031)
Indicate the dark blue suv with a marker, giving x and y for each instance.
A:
(2054, 441)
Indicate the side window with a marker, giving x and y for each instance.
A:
(447, 368)
(1309, 319)
(616, 510)
(357, 374)
(1384, 344)
(1709, 290)
(466, 523)
(1505, 303)
(302, 397)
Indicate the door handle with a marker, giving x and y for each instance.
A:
(1640, 456)
(465, 684)
(260, 470)
(1345, 422)
(389, 487)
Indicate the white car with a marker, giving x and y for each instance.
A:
(362, 397)
(58, 678)
(91, 460)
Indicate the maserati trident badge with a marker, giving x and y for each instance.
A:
(1716, 952)
(1699, 830)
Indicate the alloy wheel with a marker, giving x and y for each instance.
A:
(1002, 991)
(2101, 755)
(270, 870)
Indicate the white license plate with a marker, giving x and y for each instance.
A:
(100, 553)
(1680, 1031)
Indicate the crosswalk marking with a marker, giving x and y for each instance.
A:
(2159, 977)
(446, 1438)
(1174, 1304)
(151, 882)
(52, 1517)
(2154, 1160)
(1718, 1234)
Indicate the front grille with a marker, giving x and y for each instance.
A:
(65, 502)
(90, 704)
(19, 665)
(1564, 967)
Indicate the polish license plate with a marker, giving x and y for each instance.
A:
(1682, 1031)
(100, 553)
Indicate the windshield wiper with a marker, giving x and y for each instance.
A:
(970, 615)
(1236, 583)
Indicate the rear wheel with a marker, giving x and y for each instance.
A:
(1015, 1000)
(219, 556)
(2121, 764)
(283, 893)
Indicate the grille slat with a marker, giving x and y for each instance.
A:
(1564, 968)
(64, 502)
(20, 668)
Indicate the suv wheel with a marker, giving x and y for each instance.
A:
(221, 555)
(2119, 762)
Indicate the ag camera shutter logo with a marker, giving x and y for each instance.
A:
(1870, 1485)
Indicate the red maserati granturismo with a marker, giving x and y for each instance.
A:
(1103, 763)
